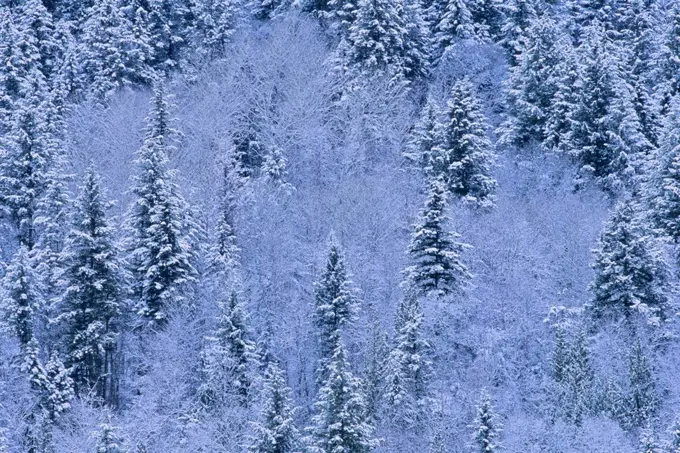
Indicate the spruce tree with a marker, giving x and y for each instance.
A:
(216, 22)
(90, 308)
(674, 445)
(453, 22)
(58, 391)
(436, 253)
(229, 358)
(630, 277)
(409, 370)
(518, 16)
(667, 72)
(336, 305)
(643, 401)
(158, 249)
(22, 297)
(224, 254)
(37, 30)
(487, 427)
(648, 442)
(169, 25)
(375, 369)
(533, 84)
(578, 380)
(275, 431)
(339, 424)
(465, 156)
(109, 441)
(424, 137)
(565, 100)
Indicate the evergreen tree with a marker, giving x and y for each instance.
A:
(224, 254)
(275, 432)
(518, 16)
(533, 84)
(453, 22)
(464, 156)
(409, 369)
(58, 388)
(487, 17)
(629, 275)
(487, 427)
(159, 251)
(37, 31)
(169, 26)
(29, 149)
(667, 72)
(560, 355)
(378, 40)
(424, 137)
(229, 359)
(22, 297)
(435, 252)
(90, 307)
(674, 446)
(565, 100)
(336, 305)
(583, 13)
(643, 402)
(648, 442)
(217, 21)
(109, 441)
(578, 380)
(375, 369)
(340, 424)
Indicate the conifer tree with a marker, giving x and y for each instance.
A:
(58, 388)
(488, 18)
(464, 156)
(90, 307)
(109, 441)
(339, 424)
(375, 369)
(229, 359)
(629, 275)
(37, 30)
(159, 251)
(453, 22)
(22, 297)
(409, 369)
(275, 431)
(643, 401)
(424, 137)
(224, 253)
(578, 380)
(518, 16)
(216, 21)
(170, 25)
(674, 446)
(487, 427)
(564, 102)
(436, 253)
(667, 72)
(377, 40)
(648, 442)
(336, 305)
(533, 84)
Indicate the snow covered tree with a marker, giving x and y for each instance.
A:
(643, 401)
(159, 251)
(216, 22)
(29, 147)
(648, 442)
(464, 156)
(22, 297)
(268, 9)
(109, 441)
(339, 424)
(532, 87)
(409, 369)
(436, 253)
(58, 388)
(275, 431)
(336, 305)
(37, 30)
(674, 445)
(667, 72)
(453, 22)
(629, 275)
(378, 40)
(229, 358)
(424, 137)
(577, 382)
(90, 307)
(487, 17)
(605, 136)
(487, 427)
(583, 13)
(565, 100)
(375, 368)
(108, 50)
(224, 254)
(518, 16)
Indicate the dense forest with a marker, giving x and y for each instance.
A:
(339, 226)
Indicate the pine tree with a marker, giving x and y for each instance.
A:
(336, 305)
(107, 43)
(565, 101)
(224, 253)
(22, 297)
(58, 391)
(453, 22)
(109, 441)
(630, 276)
(159, 251)
(409, 370)
(229, 359)
(377, 40)
(340, 424)
(37, 30)
(583, 13)
(375, 368)
(275, 432)
(29, 148)
(533, 84)
(487, 17)
(674, 446)
(643, 402)
(648, 442)
(663, 190)
(169, 26)
(560, 356)
(435, 252)
(464, 157)
(578, 380)
(487, 428)
(90, 307)
(217, 22)
(667, 73)
(17, 57)
(424, 137)
(518, 16)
